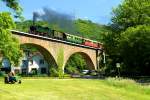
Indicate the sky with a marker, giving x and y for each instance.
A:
(98, 11)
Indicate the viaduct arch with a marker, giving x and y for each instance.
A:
(60, 50)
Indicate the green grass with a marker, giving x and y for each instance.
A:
(74, 89)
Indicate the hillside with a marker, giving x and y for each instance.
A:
(85, 28)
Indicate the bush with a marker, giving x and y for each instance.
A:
(2, 74)
(60, 73)
(72, 70)
(54, 72)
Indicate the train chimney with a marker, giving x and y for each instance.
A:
(34, 17)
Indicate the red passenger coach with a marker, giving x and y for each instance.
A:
(91, 43)
(88, 43)
(95, 45)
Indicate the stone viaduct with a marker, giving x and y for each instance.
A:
(59, 51)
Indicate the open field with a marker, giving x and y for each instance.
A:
(74, 89)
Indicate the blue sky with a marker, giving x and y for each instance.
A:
(96, 10)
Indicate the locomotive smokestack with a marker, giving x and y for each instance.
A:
(35, 16)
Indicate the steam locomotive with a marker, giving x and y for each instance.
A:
(47, 32)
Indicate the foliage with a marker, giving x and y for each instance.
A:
(60, 60)
(2, 74)
(134, 49)
(88, 29)
(6, 22)
(9, 45)
(25, 25)
(123, 44)
(7, 41)
(71, 70)
(54, 72)
(75, 64)
(29, 47)
(111, 45)
(131, 13)
(13, 4)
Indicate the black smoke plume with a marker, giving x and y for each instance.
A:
(35, 16)
(64, 21)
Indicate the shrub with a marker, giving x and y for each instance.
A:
(2, 74)
(60, 73)
(72, 70)
(54, 72)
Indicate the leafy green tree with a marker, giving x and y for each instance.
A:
(14, 5)
(9, 45)
(111, 44)
(75, 64)
(131, 13)
(135, 50)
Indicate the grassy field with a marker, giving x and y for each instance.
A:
(74, 89)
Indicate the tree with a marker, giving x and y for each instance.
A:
(9, 45)
(130, 14)
(135, 50)
(14, 5)
(75, 64)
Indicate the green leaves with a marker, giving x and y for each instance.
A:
(134, 48)
(131, 13)
(75, 64)
(129, 41)
(60, 61)
(9, 46)
(6, 22)
(13, 4)
(91, 30)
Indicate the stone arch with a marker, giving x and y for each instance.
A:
(88, 59)
(59, 50)
(48, 56)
